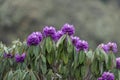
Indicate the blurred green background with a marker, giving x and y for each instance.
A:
(96, 21)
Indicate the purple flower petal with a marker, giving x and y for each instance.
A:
(108, 76)
(33, 40)
(9, 55)
(82, 45)
(100, 78)
(20, 58)
(39, 35)
(118, 63)
(49, 32)
(75, 40)
(68, 29)
(111, 46)
(59, 34)
(104, 47)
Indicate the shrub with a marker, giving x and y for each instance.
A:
(58, 55)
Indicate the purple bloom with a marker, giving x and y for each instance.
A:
(9, 55)
(49, 32)
(20, 58)
(33, 39)
(100, 78)
(39, 35)
(118, 63)
(75, 40)
(112, 47)
(109, 47)
(82, 45)
(68, 29)
(108, 76)
(104, 47)
(59, 34)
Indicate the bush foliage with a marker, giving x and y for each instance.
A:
(48, 58)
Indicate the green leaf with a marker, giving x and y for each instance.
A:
(60, 46)
(81, 57)
(104, 56)
(33, 77)
(111, 61)
(64, 57)
(27, 77)
(36, 50)
(118, 74)
(59, 68)
(43, 58)
(43, 68)
(30, 51)
(5, 49)
(49, 74)
(77, 74)
(83, 71)
(97, 54)
(49, 44)
(10, 62)
(49, 59)
(60, 41)
(26, 73)
(43, 65)
(76, 62)
(95, 67)
(65, 71)
(89, 57)
(9, 75)
(20, 74)
(69, 45)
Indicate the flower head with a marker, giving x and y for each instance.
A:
(20, 58)
(59, 34)
(39, 35)
(8, 55)
(49, 32)
(75, 40)
(68, 29)
(112, 47)
(109, 47)
(100, 78)
(118, 63)
(104, 47)
(108, 76)
(82, 45)
(34, 39)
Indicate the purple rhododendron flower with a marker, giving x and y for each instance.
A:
(100, 78)
(82, 45)
(49, 32)
(104, 47)
(68, 29)
(75, 40)
(59, 34)
(118, 63)
(20, 58)
(39, 34)
(109, 47)
(8, 55)
(112, 47)
(34, 39)
(108, 76)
